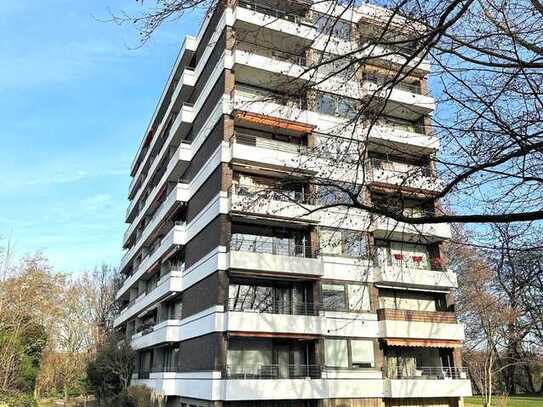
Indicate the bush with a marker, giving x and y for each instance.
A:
(17, 400)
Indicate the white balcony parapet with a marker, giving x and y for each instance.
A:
(412, 388)
(169, 283)
(410, 276)
(387, 228)
(166, 331)
(176, 195)
(210, 386)
(267, 262)
(176, 236)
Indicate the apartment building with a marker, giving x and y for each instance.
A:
(234, 299)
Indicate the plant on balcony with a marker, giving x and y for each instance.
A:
(437, 263)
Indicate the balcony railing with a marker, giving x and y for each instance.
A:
(273, 12)
(428, 373)
(434, 317)
(268, 193)
(401, 126)
(411, 261)
(399, 169)
(266, 372)
(279, 248)
(387, 83)
(250, 94)
(268, 143)
(285, 308)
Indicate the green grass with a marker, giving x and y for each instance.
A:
(516, 401)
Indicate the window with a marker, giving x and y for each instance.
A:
(336, 105)
(250, 297)
(362, 353)
(336, 353)
(333, 297)
(343, 243)
(359, 297)
(335, 65)
(333, 26)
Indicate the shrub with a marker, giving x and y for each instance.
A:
(13, 399)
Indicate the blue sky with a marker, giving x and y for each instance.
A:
(75, 99)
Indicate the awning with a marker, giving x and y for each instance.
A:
(270, 121)
(424, 343)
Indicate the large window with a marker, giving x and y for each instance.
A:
(333, 26)
(333, 297)
(345, 297)
(337, 355)
(362, 353)
(335, 105)
(343, 243)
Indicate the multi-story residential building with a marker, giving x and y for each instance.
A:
(233, 301)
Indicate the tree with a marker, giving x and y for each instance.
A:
(487, 76)
(109, 374)
(28, 306)
(98, 289)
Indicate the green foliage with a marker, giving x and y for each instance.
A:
(109, 373)
(13, 399)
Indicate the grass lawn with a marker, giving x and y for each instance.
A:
(517, 401)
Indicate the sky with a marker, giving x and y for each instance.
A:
(76, 96)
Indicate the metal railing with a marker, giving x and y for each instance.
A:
(273, 12)
(280, 248)
(387, 83)
(428, 373)
(285, 308)
(397, 125)
(410, 261)
(274, 371)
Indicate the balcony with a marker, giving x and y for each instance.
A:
(286, 257)
(386, 228)
(401, 176)
(430, 381)
(172, 168)
(169, 283)
(267, 372)
(180, 193)
(411, 138)
(395, 323)
(402, 94)
(274, 307)
(175, 237)
(165, 331)
(267, 151)
(276, 19)
(414, 273)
